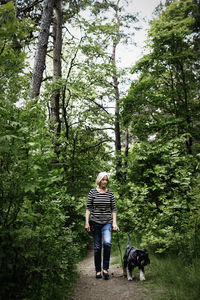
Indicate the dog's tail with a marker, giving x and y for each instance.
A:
(128, 243)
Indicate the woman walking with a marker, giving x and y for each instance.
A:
(100, 219)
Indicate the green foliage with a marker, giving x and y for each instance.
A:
(164, 100)
(44, 179)
(42, 237)
(13, 34)
(39, 234)
(40, 252)
(161, 203)
(43, 195)
(42, 232)
(82, 139)
(159, 196)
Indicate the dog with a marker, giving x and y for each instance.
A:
(134, 257)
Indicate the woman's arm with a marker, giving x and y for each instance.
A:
(114, 224)
(87, 225)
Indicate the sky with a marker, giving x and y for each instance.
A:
(129, 55)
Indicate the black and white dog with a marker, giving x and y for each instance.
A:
(134, 257)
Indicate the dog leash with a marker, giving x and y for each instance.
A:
(118, 242)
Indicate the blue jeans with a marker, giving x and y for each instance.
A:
(102, 233)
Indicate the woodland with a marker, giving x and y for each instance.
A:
(69, 111)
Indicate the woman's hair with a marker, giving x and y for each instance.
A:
(100, 177)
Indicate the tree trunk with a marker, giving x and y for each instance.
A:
(117, 96)
(57, 69)
(126, 143)
(40, 57)
(126, 153)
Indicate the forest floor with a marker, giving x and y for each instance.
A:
(116, 288)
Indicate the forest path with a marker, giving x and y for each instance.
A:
(117, 287)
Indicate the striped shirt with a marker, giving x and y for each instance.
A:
(101, 206)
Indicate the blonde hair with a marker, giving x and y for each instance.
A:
(100, 177)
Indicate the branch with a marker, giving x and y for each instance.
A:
(28, 8)
(99, 105)
(103, 128)
(94, 146)
(72, 61)
(70, 33)
(47, 78)
(75, 123)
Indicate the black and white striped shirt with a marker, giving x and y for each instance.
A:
(101, 206)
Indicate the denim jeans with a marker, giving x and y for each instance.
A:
(102, 234)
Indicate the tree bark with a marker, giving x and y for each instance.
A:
(117, 96)
(57, 68)
(126, 153)
(126, 143)
(40, 56)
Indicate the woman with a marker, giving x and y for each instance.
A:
(100, 219)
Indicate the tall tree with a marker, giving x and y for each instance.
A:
(40, 57)
(115, 78)
(109, 30)
(164, 100)
(57, 68)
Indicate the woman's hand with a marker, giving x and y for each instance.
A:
(87, 227)
(115, 227)
(114, 223)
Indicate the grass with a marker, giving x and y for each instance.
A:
(169, 278)
(177, 280)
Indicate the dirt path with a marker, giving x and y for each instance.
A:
(116, 288)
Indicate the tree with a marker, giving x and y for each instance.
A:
(57, 70)
(164, 100)
(40, 57)
(60, 14)
(117, 94)
(110, 27)
(162, 109)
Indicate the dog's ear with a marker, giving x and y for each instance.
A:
(145, 250)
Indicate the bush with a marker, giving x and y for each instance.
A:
(159, 203)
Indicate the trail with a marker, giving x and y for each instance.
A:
(116, 288)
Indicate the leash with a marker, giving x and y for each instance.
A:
(118, 242)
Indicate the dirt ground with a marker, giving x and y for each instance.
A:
(116, 288)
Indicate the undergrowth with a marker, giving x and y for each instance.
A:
(178, 280)
(167, 277)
